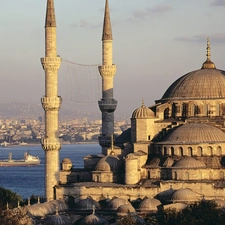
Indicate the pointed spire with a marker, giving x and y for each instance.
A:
(143, 103)
(50, 14)
(208, 64)
(107, 30)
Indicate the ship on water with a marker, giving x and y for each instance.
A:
(28, 160)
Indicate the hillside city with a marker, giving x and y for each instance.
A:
(30, 131)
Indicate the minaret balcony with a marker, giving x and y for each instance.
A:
(105, 141)
(51, 63)
(107, 70)
(51, 144)
(51, 103)
(108, 105)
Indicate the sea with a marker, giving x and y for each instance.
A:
(29, 180)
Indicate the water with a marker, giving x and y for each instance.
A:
(27, 181)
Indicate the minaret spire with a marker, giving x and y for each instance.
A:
(107, 71)
(50, 14)
(51, 103)
(107, 30)
(208, 64)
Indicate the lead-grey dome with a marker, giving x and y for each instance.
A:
(195, 133)
(149, 204)
(198, 84)
(184, 195)
(94, 219)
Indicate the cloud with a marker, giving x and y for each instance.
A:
(159, 9)
(216, 37)
(218, 3)
(85, 24)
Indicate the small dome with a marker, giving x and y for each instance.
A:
(194, 133)
(115, 203)
(189, 162)
(66, 161)
(184, 195)
(87, 204)
(57, 220)
(149, 204)
(110, 163)
(126, 209)
(143, 112)
(94, 219)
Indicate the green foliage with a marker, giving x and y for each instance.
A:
(7, 196)
(202, 213)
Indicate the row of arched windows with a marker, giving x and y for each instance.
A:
(189, 151)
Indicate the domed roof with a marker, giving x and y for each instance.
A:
(194, 133)
(115, 203)
(149, 204)
(189, 162)
(184, 194)
(109, 163)
(126, 209)
(199, 84)
(57, 220)
(66, 161)
(154, 162)
(87, 204)
(93, 219)
(206, 83)
(143, 112)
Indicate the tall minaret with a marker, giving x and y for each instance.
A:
(51, 103)
(107, 71)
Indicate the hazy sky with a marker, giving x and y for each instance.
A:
(155, 42)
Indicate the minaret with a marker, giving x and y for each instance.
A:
(107, 71)
(51, 103)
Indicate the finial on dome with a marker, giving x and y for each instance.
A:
(93, 209)
(208, 64)
(143, 102)
(112, 145)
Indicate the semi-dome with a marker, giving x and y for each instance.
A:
(109, 163)
(149, 204)
(189, 162)
(184, 195)
(143, 112)
(194, 133)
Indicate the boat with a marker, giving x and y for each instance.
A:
(28, 160)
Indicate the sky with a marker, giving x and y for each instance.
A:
(154, 43)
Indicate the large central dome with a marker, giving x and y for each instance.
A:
(199, 84)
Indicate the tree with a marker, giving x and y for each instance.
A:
(9, 197)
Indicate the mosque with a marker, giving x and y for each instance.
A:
(173, 154)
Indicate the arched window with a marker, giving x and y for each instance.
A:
(181, 151)
(186, 176)
(218, 151)
(166, 113)
(217, 109)
(221, 175)
(200, 152)
(209, 151)
(172, 151)
(175, 175)
(205, 110)
(165, 151)
(190, 151)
